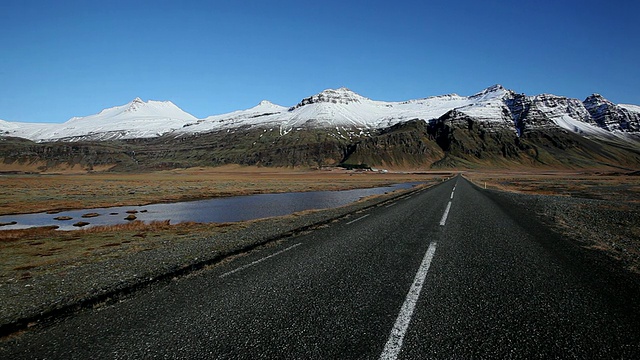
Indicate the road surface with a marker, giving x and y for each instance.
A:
(448, 272)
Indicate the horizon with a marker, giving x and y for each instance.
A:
(74, 60)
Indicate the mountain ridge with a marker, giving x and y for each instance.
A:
(335, 108)
(495, 127)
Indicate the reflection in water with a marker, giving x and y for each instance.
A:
(231, 209)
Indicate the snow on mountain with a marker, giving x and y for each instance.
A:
(23, 129)
(137, 119)
(489, 105)
(632, 108)
(7, 125)
(595, 116)
(344, 109)
(261, 113)
(567, 113)
(610, 116)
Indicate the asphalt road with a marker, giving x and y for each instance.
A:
(449, 272)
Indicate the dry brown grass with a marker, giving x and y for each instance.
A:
(16, 234)
(27, 252)
(39, 193)
(586, 184)
(136, 225)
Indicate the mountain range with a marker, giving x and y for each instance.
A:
(495, 127)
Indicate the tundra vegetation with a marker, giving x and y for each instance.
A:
(27, 252)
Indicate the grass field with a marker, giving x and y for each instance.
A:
(584, 184)
(39, 193)
(28, 252)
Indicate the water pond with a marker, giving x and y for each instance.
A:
(229, 209)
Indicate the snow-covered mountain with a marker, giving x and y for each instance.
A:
(252, 117)
(343, 109)
(137, 119)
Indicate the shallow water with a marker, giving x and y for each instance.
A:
(229, 209)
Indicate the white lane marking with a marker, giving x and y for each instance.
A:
(258, 261)
(394, 344)
(358, 219)
(390, 205)
(452, 194)
(446, 213)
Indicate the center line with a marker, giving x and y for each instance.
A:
(394, 344)
(446, 213)
(452, 194)
(360, 218)
(258, 261)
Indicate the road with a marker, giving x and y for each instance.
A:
(448, 272)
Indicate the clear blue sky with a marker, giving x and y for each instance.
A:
(73, 58)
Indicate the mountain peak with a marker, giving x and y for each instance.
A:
(336, 96)
(341, 92)
(494, 91)
(266, 105)
(596, 98)
(135, 104)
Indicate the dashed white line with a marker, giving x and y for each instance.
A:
(452, 194)
(358, 219)
(390, 205)
(446, 213)
(394, 344)
(258, 261)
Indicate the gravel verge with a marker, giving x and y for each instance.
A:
(54, 294)
(604, 227)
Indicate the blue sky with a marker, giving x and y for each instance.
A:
(74, 58)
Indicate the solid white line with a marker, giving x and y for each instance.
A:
(394, 344)
(358, 219)
(258, 261)
(446, 213)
